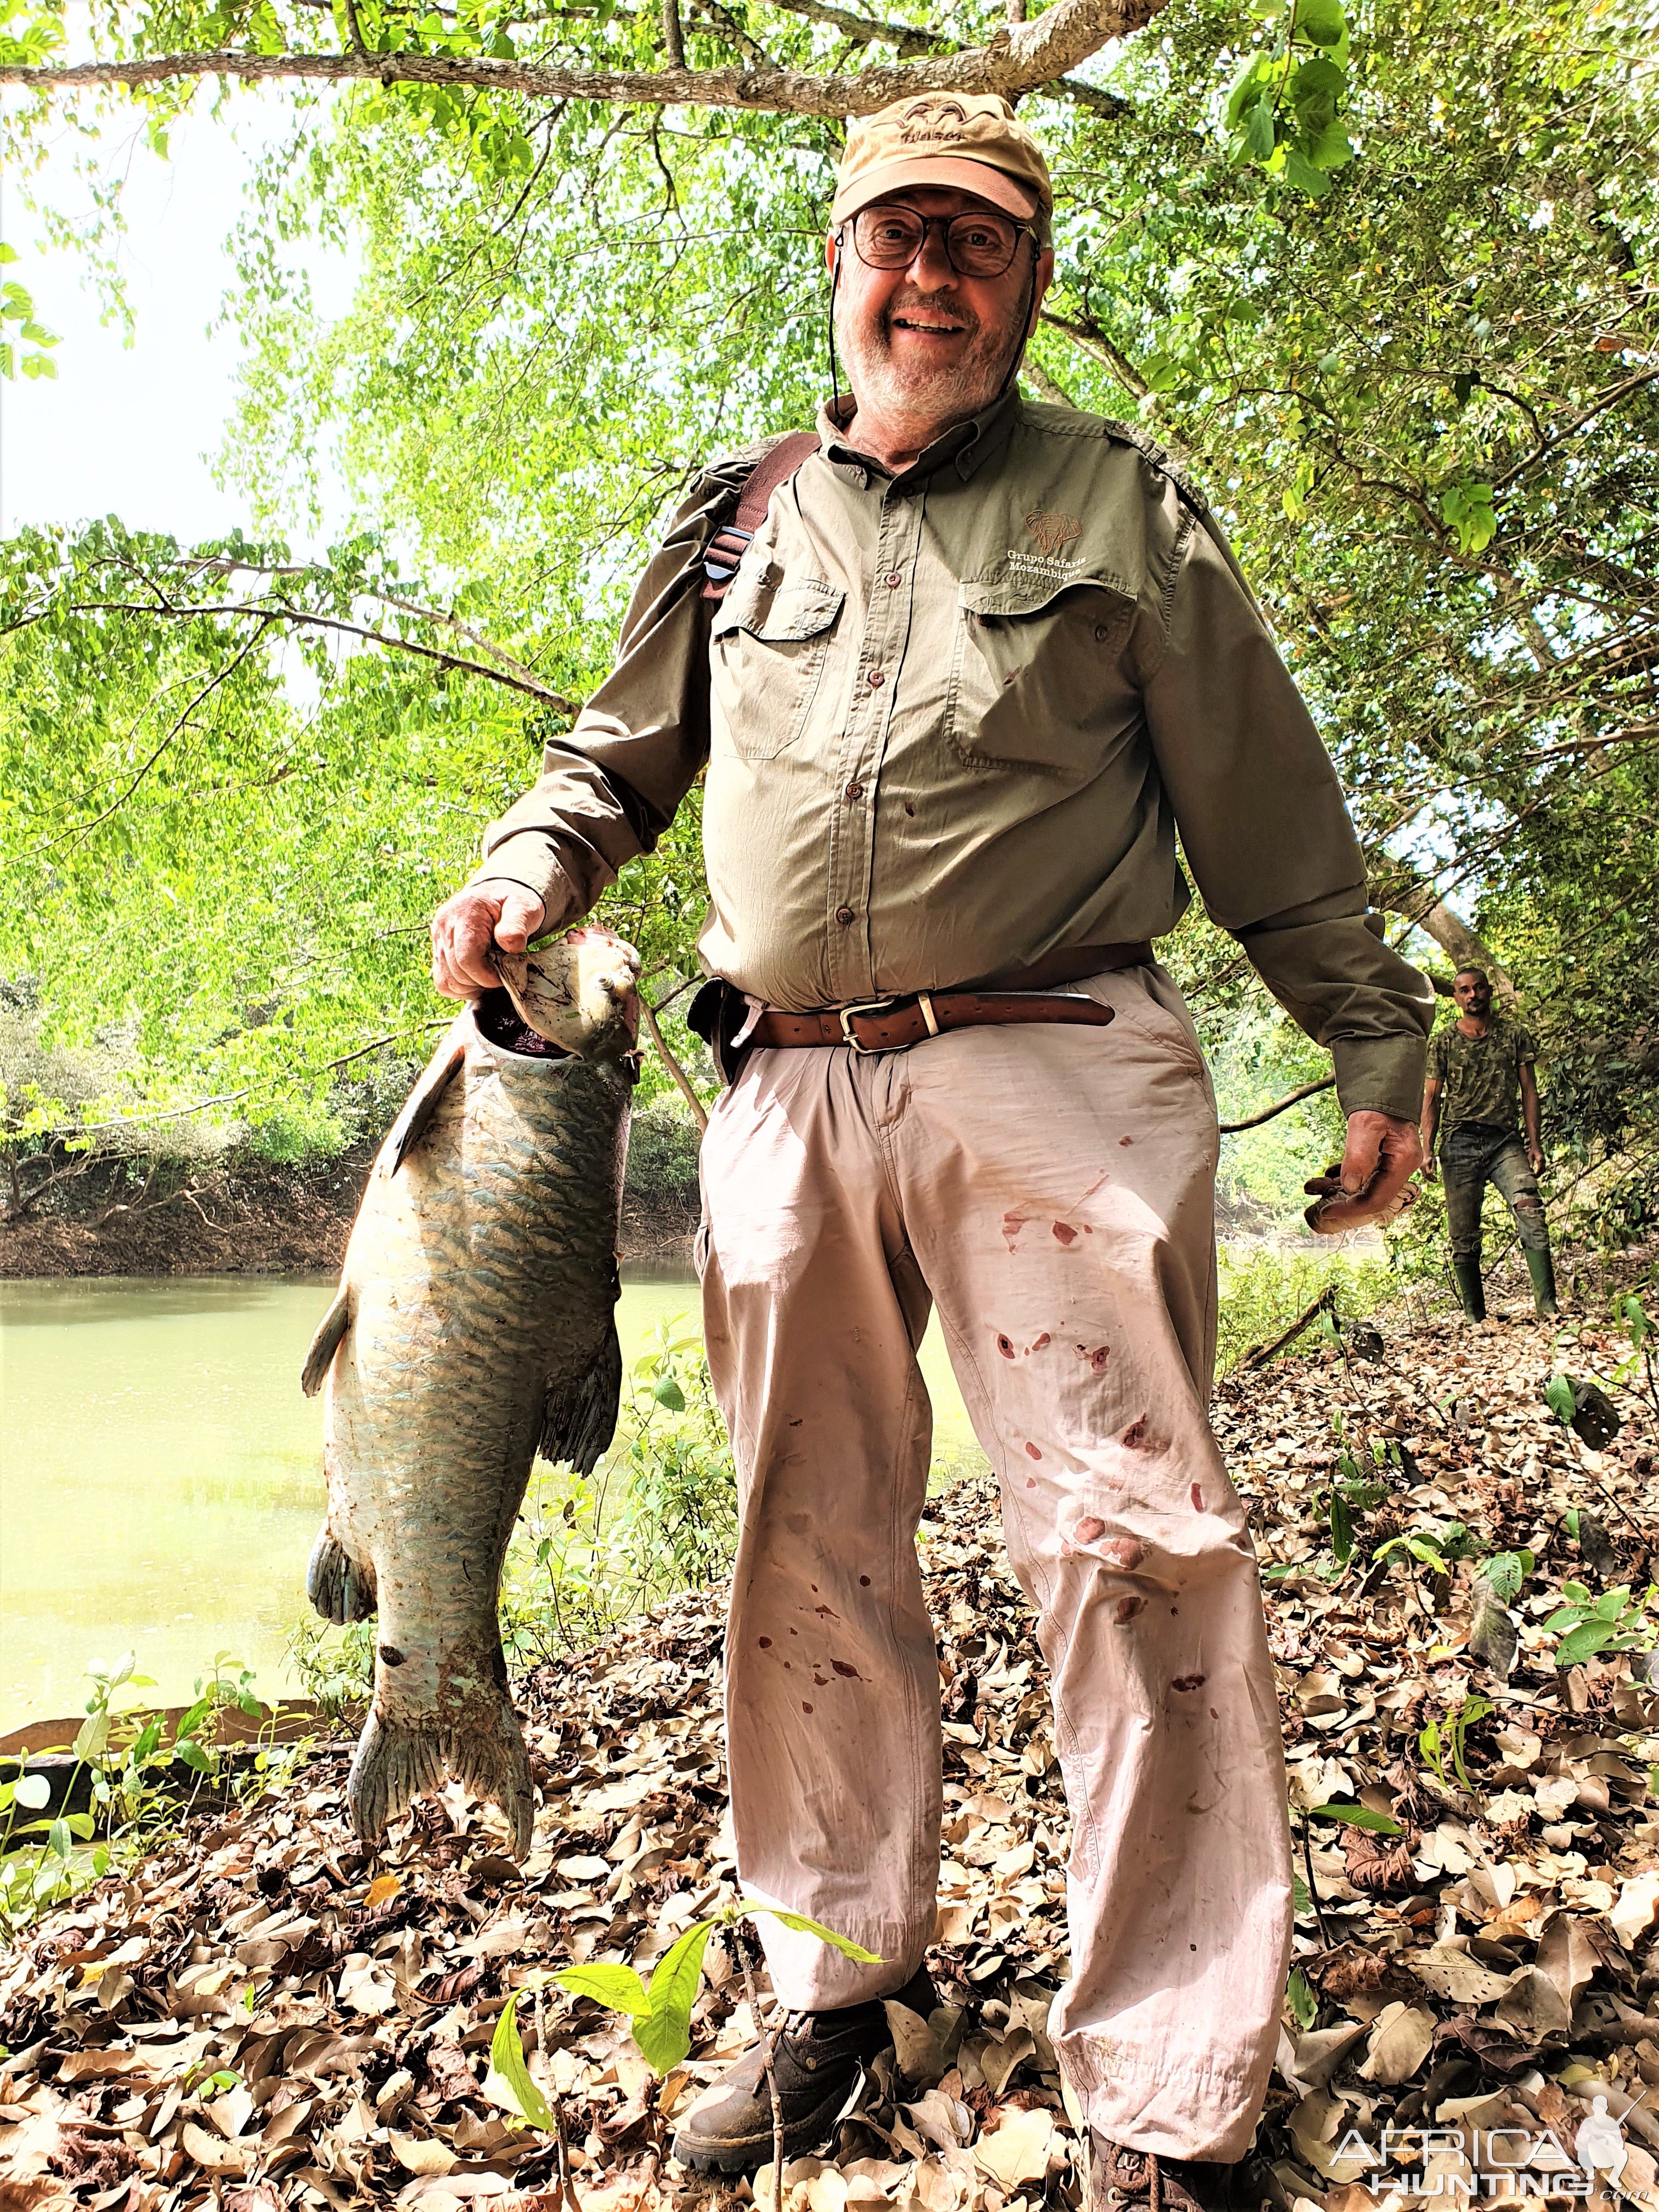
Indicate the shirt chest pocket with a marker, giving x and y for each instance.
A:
(1036, 678)
(767, 648)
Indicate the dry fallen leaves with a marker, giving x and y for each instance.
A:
(263, 2016)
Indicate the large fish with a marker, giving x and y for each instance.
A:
(475, 1326)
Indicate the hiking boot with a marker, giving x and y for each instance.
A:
(819, 2057)
(1134, 2179)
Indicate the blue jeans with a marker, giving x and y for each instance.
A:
(1473, 1154)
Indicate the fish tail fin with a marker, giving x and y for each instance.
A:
(326, 1342)
(577, 1424)
(340, 1589)
(395, 1763)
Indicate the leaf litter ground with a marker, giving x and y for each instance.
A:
(262, 2015)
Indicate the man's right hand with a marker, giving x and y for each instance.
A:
(469, 929)
(1429, 1169)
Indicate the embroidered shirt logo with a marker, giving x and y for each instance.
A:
(1053, 532)
(932, 119)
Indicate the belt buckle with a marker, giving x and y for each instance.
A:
(865, 1006)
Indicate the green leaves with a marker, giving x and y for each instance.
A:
(663, 2032)
(1589, 1625)
(507, 2061)
(798, 1921)
(1282, 112)
(1440, 1740)
(1303, 2005)
(662, 2014)
(1356, 1816)
(17, 307)
(619, 1989)
(1468, 508)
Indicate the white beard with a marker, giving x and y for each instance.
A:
(929, 399)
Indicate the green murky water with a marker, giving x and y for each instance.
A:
(161, 1474)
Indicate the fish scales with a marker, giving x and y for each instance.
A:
(475, 1322)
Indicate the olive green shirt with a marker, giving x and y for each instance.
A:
(1479, 1078)
(951, 721)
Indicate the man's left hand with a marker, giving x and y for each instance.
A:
(1373, 1181)
(1535, 1158)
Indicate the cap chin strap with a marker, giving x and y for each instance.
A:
(834, 283)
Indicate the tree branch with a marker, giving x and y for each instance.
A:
(683, 1081)
(1019, 59)
(1281, 1106)
(299, 619)
(1093, 340)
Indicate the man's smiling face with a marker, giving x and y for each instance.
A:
(925, 346)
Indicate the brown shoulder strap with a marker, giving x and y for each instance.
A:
(727, 546)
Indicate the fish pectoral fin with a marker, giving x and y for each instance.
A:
(337, 1587)
(579, 1422)
(422, 1103)
(326, 1342)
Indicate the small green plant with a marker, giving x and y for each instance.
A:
(1642, 1330)
(659, 1514)
(1357, 1487)
(661, 2012)
(1588, 1625)
(1444, 1740)
(131, 1783)
(1437, 1549)
(335, 1666)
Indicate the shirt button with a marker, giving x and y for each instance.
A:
(876, 679)
(894, 581)
(1103, 631)
(855, 790)
(843, 915)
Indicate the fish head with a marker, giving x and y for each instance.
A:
(579, 991)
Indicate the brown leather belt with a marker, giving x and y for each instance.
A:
(895, 1024)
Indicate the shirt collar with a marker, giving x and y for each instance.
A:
(965, 446)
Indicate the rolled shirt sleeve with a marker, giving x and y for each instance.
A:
(608, 791)
(1267, 836)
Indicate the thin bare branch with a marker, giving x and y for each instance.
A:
(1279, 1106)
(1093, 340)
(682, 1080)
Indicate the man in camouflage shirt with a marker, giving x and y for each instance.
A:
(1481, 1083)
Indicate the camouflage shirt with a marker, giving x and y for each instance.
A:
(1479, 1078)
(950, 722)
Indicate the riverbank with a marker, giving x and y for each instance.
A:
(261, 2012)
(260, 1219)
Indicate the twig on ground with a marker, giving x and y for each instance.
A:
(742, 1938)
(1326, 1303)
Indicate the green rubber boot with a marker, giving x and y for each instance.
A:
(1470, 1288)
(1542, 1268)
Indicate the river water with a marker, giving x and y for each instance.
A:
(160, 1473)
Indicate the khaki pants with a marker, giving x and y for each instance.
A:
(1051, 1190)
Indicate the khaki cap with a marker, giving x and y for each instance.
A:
(968, 140)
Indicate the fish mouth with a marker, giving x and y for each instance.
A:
(499, 1025)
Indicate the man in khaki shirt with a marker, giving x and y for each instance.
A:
(977, 666)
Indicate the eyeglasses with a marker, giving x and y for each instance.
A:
(975, 245)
